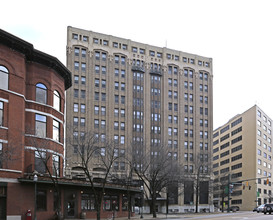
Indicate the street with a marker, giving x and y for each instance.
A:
(219, 216)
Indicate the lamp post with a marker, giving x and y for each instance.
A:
(142, 198)
(35, 179)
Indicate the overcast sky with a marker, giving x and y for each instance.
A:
(237, 34)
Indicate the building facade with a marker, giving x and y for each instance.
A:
(32, 103)
(32, 99)
(242, 151)
(134, 93)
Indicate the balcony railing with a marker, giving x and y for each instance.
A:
(138, 68)
(156, 71)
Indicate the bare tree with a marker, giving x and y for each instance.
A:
(156, 169)
(96, 156)
(47, 163)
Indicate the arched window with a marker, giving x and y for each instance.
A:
(41, 93)
(57, 101)
(4, 77)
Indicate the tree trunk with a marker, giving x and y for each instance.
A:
(129, 203)
(99, 201)
(197, 197)
(154, 205)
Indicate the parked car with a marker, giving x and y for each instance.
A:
(255, 209)
(234, 208)
(268, 208)
(260, 208)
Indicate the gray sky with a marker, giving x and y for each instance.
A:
(237, 34)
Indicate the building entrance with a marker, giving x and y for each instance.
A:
(70, 205)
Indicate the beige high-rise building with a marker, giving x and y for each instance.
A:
(133, 92)
(242, 149)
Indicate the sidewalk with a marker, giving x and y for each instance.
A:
(169, 216)
(161, 216)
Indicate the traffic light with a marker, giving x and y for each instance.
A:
(244, 186)
(246, 183)
(249, 187)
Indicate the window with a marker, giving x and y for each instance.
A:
(41, 93)
(122, 112)
(1, 113)
(122, 85)
(76, 93)
(97, 69)
(75, 36)
(103, 97)
(115, 44)
(134, 49)
(123, 73)
(110, 203)
(82, 108)
(82, 122)
(103, 124)
(83, 80)
(56, 130)
(57, 101)
(103, 69)
(83, 67)
(170, 82)
(141, 51)
(87, 202)
(175, 119)
(116, 99)
(41, 200)
(175, 82)
(116, 126)
(76, 107)
(77, 51)
(4, 77)
(76, 65)
(124, 46)
(40, 161)
(76, 79)
(122, 59)
(152, 53)
(83, 52)
(83, 94)
(56, 165)
(122, 139)
(122, 126)
(175, 94)
(105, 42)
(40, 125)
(122, 99)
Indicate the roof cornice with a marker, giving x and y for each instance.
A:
(34, 55)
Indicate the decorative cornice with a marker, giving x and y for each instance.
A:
(34, 55)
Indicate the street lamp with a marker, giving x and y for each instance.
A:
(142, 198)
(35, 179)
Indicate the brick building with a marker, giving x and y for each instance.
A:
(32, 100)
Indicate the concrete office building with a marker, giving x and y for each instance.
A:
(242, 148)
(133, 92)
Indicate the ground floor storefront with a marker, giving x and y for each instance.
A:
(23, 199)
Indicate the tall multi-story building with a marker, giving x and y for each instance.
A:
(132, 92)
(242, 151)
